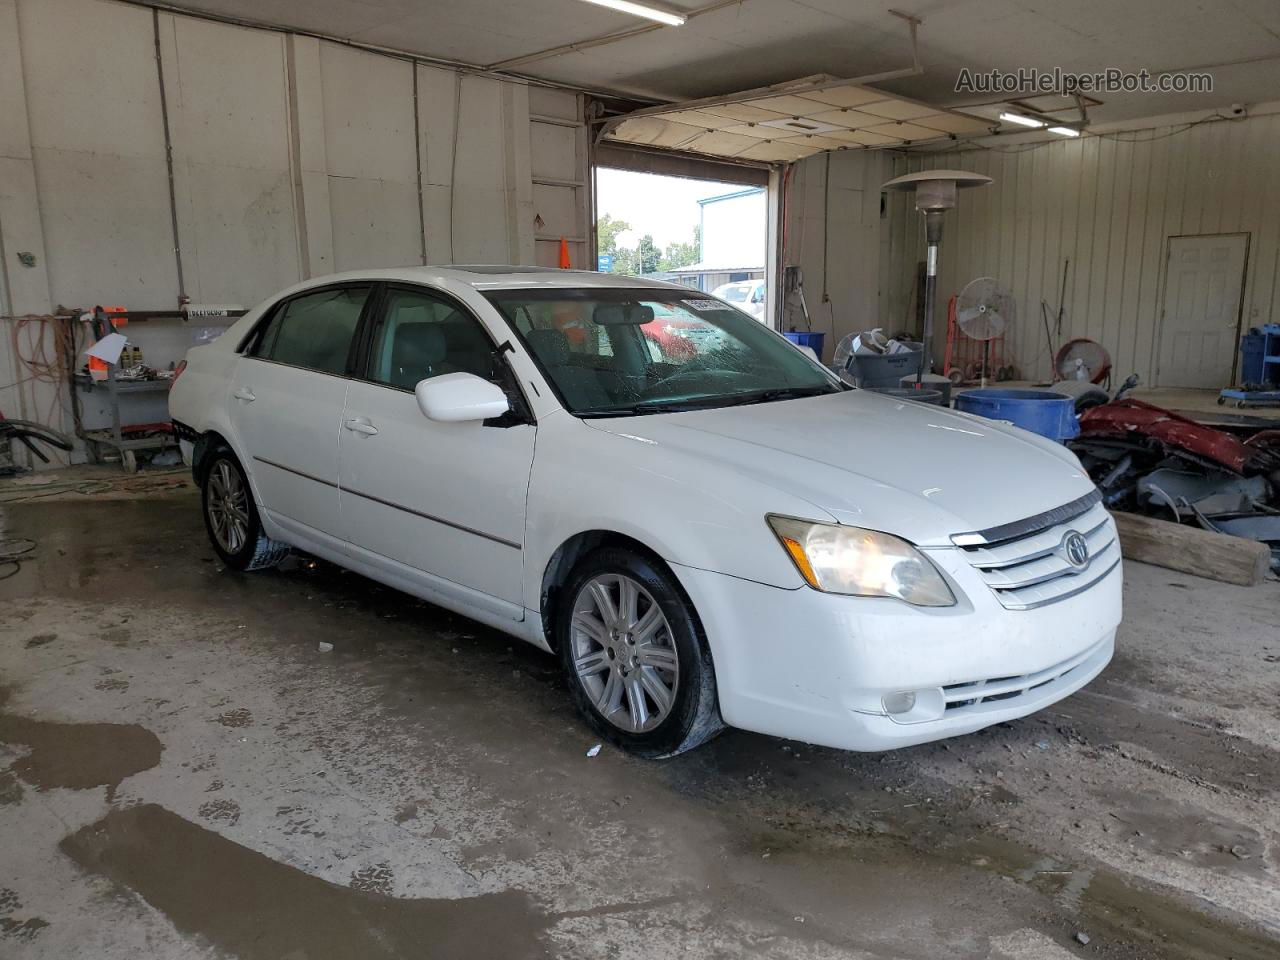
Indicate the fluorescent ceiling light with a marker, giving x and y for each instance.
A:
(1064, 131)
(643, 10)
(1020, 119)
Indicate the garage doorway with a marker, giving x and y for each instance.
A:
(1200, 321)
(705, 224)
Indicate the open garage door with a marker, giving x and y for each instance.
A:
(749, 137)
(708, 224)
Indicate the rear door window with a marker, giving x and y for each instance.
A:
(315, 330)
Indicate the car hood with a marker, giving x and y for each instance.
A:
(912, 469)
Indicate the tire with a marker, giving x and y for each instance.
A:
(658, 656)
(231, 517)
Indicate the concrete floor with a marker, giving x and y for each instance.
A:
(184, 774)
(1199, 401)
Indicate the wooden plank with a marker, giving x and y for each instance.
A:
(1192, 550)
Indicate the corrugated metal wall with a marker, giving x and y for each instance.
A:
(835, 233)
(1109, 205)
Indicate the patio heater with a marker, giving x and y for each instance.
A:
(935, 192)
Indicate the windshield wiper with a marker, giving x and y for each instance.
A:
(777, 393)
(641, 407)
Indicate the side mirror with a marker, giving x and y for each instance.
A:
(458, 397)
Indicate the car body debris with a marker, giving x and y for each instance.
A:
(1161, 463)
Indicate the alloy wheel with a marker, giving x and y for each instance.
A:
(227, 503)
(624, 654)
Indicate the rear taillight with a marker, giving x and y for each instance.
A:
(177, 371)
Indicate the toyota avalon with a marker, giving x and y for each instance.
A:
(724, 534)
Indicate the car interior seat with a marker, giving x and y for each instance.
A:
(580, 385)
(418, 351)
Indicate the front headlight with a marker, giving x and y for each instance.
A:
(849, 560)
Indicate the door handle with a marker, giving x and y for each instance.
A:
(245, 394)
(361, 425)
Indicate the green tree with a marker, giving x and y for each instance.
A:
(648, 255)
(679, 255)
(645, 257)
(607, 229)
(625, 262)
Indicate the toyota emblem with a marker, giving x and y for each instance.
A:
(1076, 549)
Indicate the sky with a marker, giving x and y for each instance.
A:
(666, 207)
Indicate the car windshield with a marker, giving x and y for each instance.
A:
(630, 352)
(734, 294)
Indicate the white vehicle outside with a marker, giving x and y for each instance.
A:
(746, 295)
(726, 535)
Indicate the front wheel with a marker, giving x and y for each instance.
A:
(637, 663)
(231, 517)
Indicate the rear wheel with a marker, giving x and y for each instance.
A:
(633, 652)
(231, 517)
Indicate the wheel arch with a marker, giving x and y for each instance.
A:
(206, 443)
(215, 439)
(566, 556)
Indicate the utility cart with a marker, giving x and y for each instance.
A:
(1259, 369)
(125, 437)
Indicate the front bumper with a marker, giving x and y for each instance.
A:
(816, 667)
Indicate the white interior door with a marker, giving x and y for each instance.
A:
(1200, 332)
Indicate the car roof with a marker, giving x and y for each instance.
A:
(500, 277)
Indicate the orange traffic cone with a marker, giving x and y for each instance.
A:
(564, 255)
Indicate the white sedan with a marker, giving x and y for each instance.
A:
(724, 534)
(746, 295)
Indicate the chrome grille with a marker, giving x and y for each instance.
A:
(1032, 570)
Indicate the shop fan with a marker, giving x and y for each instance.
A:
(1082, 359)
(985, 311)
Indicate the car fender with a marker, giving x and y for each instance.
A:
(689, 512)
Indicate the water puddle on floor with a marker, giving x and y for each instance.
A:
(254, 908)
(78, 756)
(1115, 910)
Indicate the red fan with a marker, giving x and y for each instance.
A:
(1082, 354)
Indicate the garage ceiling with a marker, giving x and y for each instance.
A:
(761, 42)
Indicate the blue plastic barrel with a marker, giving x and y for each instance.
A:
(1049, 414)
(805, 338)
